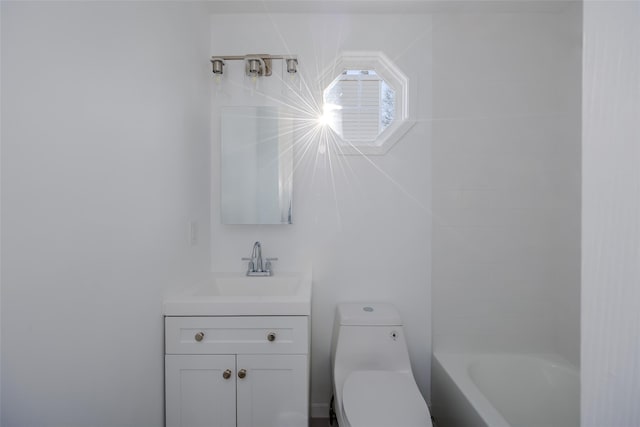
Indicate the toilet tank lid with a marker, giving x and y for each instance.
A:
(368, 314)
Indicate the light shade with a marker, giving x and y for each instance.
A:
(292, 65)
(254, 67)
(217, 64)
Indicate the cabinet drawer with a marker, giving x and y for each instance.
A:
(230, 335)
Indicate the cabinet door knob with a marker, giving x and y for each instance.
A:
(271, 336)
(226, 374)
(199, 336)
(242, 373)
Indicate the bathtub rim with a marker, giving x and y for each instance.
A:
(456, 367)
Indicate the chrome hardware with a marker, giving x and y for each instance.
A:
(242, 373)
(256, 267)
(226, 374)
(199, 336)
(217, 65)
(267, 264)
(256, 64)
(292, 65)
(271, 336)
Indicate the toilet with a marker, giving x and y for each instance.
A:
(373, 385)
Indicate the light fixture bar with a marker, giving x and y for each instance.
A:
(263, 56)
(255, 64)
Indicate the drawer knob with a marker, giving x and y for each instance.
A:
(271, 336)
(199, 336)
(226, 374)
(242, 373)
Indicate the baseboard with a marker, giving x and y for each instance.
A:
(319, 410)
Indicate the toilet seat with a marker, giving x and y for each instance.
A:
(384, 399)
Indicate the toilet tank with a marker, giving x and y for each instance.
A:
(364, 314)
(368, 337)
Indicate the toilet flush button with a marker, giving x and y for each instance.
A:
(367, 309)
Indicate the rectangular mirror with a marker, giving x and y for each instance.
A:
(257, 165)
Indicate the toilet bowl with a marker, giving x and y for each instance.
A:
(373, 384)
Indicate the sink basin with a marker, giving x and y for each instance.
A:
(235, 294)
(234, 285)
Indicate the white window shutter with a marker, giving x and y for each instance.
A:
(359, 114)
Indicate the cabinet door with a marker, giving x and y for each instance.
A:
(197, 394)
(274, 391)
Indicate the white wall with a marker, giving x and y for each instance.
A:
(506, 177)
(104, 162)
(611, 215)
(1, 97)
(361, 224)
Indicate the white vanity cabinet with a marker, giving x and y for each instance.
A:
(244, 371)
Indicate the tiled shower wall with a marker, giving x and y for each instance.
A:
(506, 176)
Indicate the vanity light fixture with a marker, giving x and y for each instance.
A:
(255, 64)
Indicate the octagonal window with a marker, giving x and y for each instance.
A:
(365, 103)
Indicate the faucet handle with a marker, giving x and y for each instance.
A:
(267, 264)
(250, 267)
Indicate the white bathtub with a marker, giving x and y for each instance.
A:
(504, 390)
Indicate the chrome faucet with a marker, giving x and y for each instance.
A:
(256, 266)
(256, 257)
